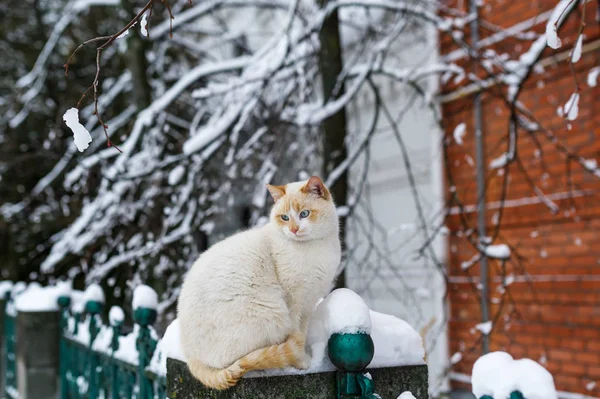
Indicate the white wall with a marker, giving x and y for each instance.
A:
(384, 267)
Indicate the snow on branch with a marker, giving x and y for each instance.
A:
(70, 12)
(36, 78)
(499, 251)
(146, 116)
(314, 114)
(555, 20)
(82, 137)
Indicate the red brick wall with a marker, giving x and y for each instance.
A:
(551, 313)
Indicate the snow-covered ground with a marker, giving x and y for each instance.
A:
(497, 374)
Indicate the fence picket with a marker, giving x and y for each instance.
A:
(10, 376)
(88, 371)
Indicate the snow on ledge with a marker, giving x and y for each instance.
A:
(168, 346)
(396, 342)
(36, 298)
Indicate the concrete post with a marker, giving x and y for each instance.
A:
(37, 354)
(389, 383)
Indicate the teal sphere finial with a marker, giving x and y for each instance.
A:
(145, 316)
(351, 352)
(513, 395)
(93, 307)
(64, 301)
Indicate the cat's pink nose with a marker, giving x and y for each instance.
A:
(294, 229)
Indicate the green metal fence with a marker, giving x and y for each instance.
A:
(90, 371)
(99, 361)
(93, 363)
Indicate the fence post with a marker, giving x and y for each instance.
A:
(10, 361)
(351, 354)
(93, 309)
(145, 345)
(63, 351)
(116, 321)
(37, 354)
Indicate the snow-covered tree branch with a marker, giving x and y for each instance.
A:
(231, 95)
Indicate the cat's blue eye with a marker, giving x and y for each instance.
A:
(304, 214)
(285, 217)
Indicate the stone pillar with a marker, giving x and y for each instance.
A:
(37, 354)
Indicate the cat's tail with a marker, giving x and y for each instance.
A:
(288, 354)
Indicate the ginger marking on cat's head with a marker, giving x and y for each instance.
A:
(304, 210)
(316, 186)
(276, 191)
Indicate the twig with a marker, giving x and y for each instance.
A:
(109, 40)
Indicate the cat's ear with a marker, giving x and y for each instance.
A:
(315, 185)
(276, 191)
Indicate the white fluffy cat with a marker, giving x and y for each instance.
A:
(246, 302)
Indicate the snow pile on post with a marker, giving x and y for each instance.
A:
(93, 293)
(497, 374)
(145, 297)
(116, 316)
(345, 312)
(36, 298)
